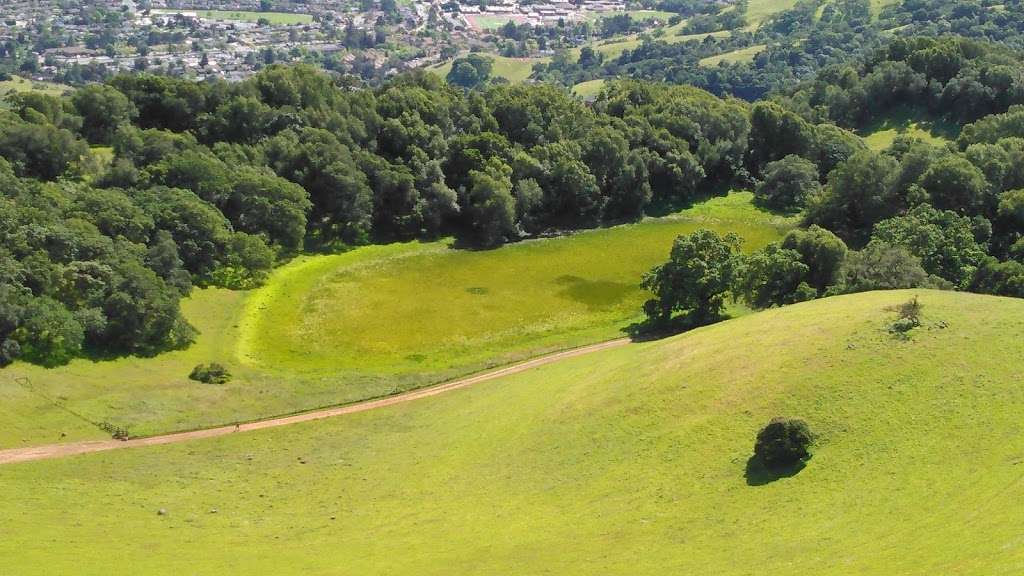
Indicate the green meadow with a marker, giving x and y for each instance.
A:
(333, 329)
(515, 70)
(916, 470)
(906, 121)
(742, 55)
(18, 84)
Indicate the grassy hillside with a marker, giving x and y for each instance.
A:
(333, 329)
(629, 462)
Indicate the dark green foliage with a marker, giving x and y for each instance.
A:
(103, 109)
(212, 373)
(953, 183)
(860, 192)
(774, 276)
(822, 251)
(783, 442)
(1002, 278)
(471, 70)
(787, 183)
(701, 270)
(944, 241)
(213, 183)
(882, 267)
(492, 208)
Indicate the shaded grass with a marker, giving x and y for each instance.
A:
(909, 121)
(332, 329)
(627, 462)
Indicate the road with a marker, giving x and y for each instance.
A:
(13, 455)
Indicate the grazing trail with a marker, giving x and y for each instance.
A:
(13, 455)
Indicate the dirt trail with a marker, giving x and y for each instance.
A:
(85, 447)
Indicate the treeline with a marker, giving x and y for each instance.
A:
(120, 197)
(954, 78)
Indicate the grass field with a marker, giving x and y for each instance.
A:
(881, 133)
(634, 14)
(742, 55)
(276, 18)
(515, 70)
(588, 90)
(18, 84)
(760, 10)
(628, 462)
(328, 330)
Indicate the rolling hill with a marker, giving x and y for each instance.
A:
(630, 461)
(335, 329)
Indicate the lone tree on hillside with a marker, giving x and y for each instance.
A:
(700, 271)
(784, 442)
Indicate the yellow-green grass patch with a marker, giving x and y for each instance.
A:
(589, 89)
(630, 462)
(742, 55)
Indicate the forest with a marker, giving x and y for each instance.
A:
(119, 198)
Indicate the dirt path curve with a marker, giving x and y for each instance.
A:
(85, 447)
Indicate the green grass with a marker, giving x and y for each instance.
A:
(760, 10)
(18, 84)
(339, 328)
(628, 462)
(634, 14)
(275, 18)
(881, 133)
(742, 55)
(588, 90)
(515, 70)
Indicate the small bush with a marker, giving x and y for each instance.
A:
(212, 373)
(909, 316)
(783, 442)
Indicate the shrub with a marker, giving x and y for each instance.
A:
(212, 373)
(910, 316)
(783, 442)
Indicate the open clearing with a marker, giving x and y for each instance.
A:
(389, 318)
(742, 55)
(630, 461)
(276, 18)
(590, 89)
(18, 84)
(907, 121)
(515, 70)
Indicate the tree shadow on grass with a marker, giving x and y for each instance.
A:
(650, 330)
(757, 474)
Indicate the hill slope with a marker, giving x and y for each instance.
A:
(334, 329)
(627, 462)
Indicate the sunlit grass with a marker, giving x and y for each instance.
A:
(630, 462)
